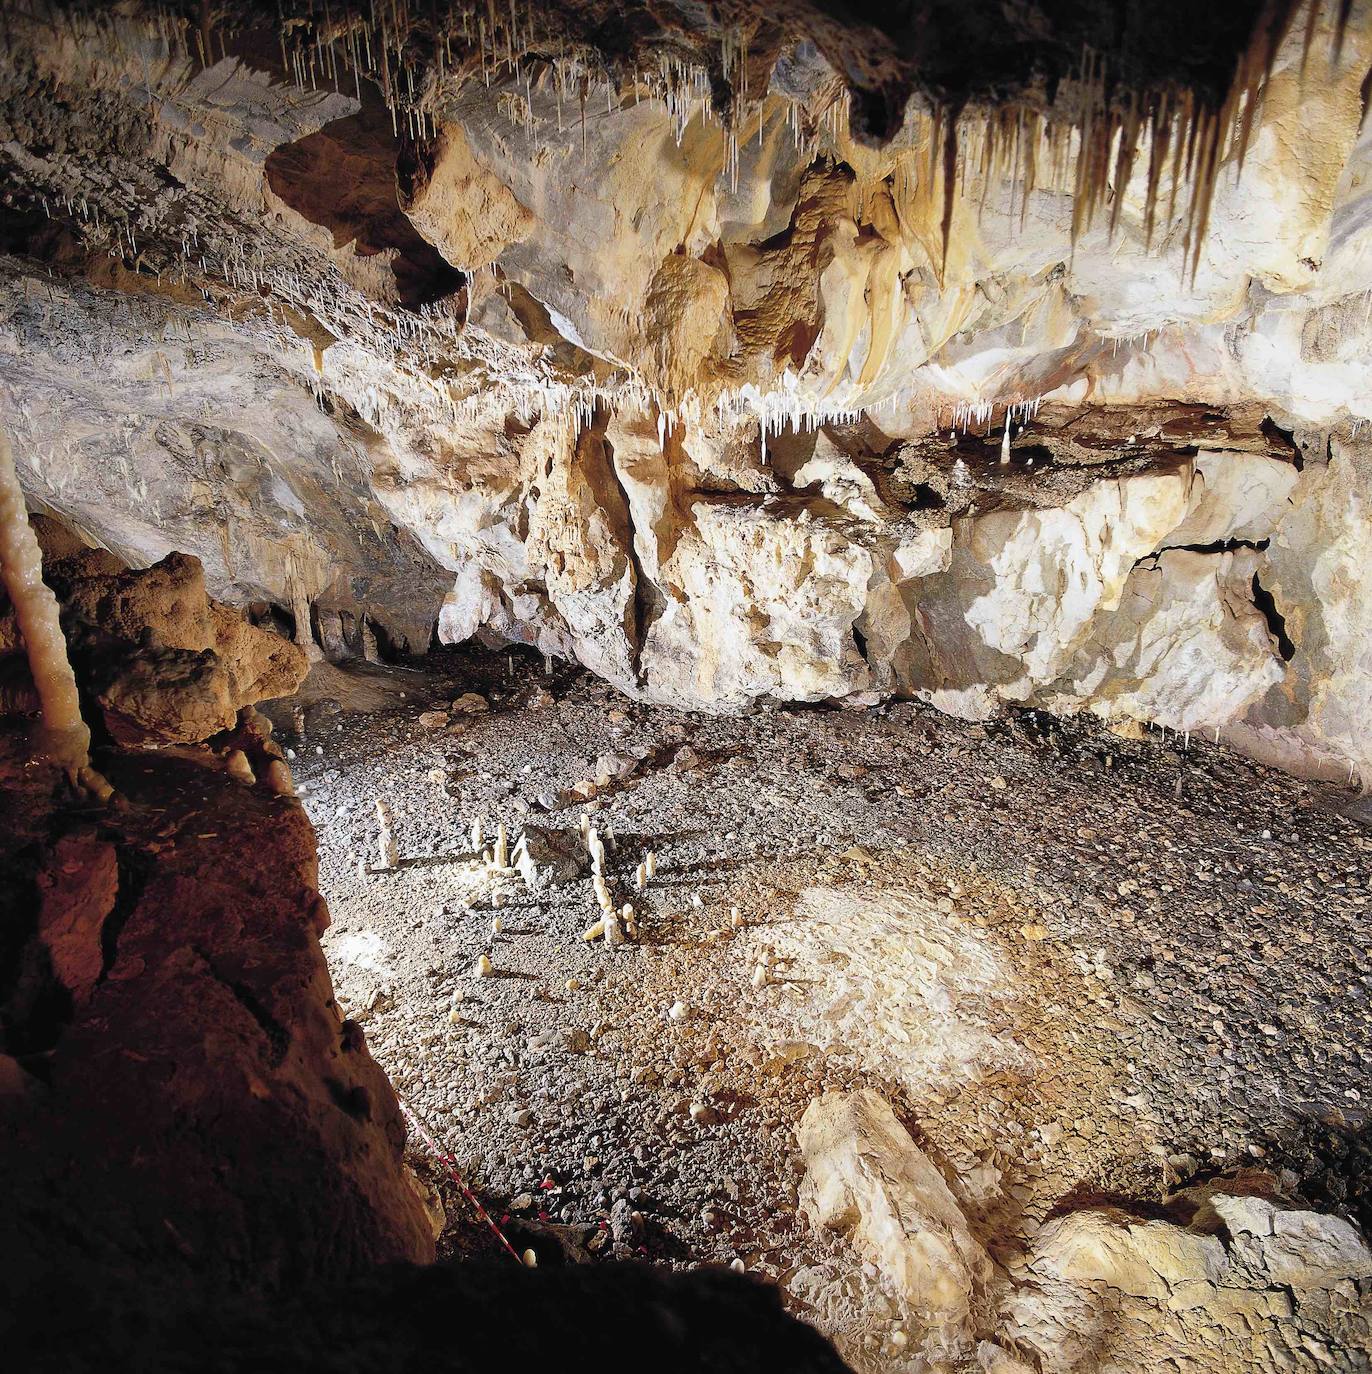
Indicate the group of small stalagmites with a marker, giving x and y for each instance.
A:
(616, 923)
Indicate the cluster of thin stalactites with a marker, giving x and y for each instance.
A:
(1088, 139)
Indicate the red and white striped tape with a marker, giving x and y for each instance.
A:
(448, 1160)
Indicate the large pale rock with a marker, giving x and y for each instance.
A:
(1263, 1290)
(868, 1180)
(580, 534)
(1294, 1249)
(1185, 647)
(1316, 569)
(1104, 603)
(462, 208)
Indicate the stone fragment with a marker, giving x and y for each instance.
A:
(866, 1179)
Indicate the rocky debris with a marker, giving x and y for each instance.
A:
(866, 1179)
(164, 661)
(1182, 1009)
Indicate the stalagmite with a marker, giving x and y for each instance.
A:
(67, 738)
(278, 778)
(502, 847)
(641, 877)
(484, 967)
(614, 935)
(594, 931)
(236, 765)
(650, 864)
(388, 855)
(478, 836)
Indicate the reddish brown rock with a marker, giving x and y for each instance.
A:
(199, 1111)
(77, 892)
(165, 661)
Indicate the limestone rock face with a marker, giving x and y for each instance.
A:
(728, 401)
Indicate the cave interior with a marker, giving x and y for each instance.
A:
(686, 683)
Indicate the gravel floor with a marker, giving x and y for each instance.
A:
(1081, 966)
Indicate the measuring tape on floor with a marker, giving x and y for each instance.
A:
(448, 1161)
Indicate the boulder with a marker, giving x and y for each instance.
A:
(165, 661)
(866, 1179)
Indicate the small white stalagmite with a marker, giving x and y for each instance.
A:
(502, 847)
(387, 853)
(478, 836)
(35, 608)
(650, 864)
(614, 935)
(594, 931)
(641, 877)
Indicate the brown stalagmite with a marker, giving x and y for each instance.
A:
(35, 608)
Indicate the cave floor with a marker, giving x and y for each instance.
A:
(1082, 967)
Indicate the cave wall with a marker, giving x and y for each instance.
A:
(713, 402)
